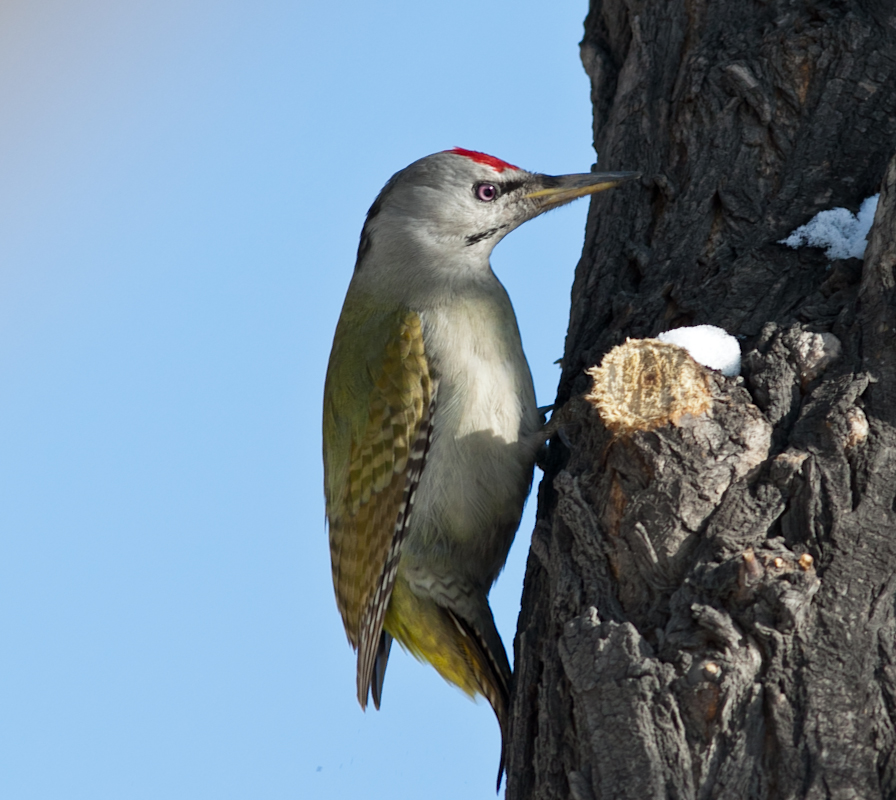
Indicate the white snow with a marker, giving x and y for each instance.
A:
(840, 232)
(708, 345)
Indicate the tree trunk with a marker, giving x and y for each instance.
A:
(708, 609)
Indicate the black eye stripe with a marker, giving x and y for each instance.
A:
(509, 186)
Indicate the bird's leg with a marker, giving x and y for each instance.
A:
(555, 427)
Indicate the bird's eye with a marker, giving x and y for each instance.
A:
(486, 192)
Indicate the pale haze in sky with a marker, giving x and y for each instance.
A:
(182, 186)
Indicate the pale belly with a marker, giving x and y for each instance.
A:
(478, 469)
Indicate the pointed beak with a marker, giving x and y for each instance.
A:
(555, 190)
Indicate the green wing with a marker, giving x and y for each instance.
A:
(377, 405)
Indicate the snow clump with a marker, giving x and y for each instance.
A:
(708, 345)
(840, 232)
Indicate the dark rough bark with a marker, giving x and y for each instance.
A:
(709, 607)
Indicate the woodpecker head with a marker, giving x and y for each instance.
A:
(461, 203)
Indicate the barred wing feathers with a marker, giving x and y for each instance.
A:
(372, 464)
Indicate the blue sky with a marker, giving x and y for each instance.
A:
(182, 185)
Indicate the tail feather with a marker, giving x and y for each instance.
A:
(450, 625)
(379, 668)
(492, 673)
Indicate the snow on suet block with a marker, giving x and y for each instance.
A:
(840, 232)
(708, 345)
(646, 383)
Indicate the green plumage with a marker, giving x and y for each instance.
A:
(377, 392)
